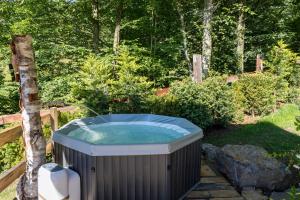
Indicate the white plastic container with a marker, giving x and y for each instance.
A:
(57, 183)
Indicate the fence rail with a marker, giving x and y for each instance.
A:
(11, 134)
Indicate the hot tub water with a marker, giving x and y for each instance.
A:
(128, 133)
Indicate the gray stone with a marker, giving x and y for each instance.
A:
(251, 166)
(253, 195)
(210, 151)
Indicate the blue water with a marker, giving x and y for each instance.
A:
(125, 134)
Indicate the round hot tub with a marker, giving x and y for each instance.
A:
(131, 156)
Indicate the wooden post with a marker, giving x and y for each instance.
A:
(54, 119)
(35, 145)
(259, 63)
(197, 68)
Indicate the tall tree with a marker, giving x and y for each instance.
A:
(184, 35)
(207, 35)
(96, 24)
(119, 10)
(35, 145)
(240, 37)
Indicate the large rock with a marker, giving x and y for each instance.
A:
(210, 151)
(252, 194)
(251, 166)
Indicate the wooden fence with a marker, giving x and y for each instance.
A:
(11, 134)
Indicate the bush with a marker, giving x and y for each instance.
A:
(11, 154)
(206, 104)
(57, 89)
(112, 84)
(258, 93)
(282, 62)
(9, 98)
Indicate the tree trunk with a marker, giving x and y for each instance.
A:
(240, 35)
(207, 38)
(118, 27)
(184, 38)
(96, 25)
(35, 145)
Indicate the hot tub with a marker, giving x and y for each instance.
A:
(131, 156)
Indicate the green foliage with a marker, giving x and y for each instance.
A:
(283, 62)
(294, 195)
(110, 84)
(66, 117)
(206, 104)
(297, 123)
(57, 89)
(11, 154)
(258, 93)
(9, 98)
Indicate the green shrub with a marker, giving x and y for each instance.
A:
(112, 85)
(282, 62)
(206, 104)
(66, 117)
(11, 154)
(57, 89)
(293, 95)
(258, 93)
(9, 98)
(297, 123)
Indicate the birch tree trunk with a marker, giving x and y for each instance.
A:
(184, 38)
(35, 145)
(240, 37)
(96, 25)
(118, 27)
(207, 37)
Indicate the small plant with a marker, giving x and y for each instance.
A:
(297, 123)
(294, 195)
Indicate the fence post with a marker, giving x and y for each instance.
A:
(259, 63)
(54, 119)
(197, 68)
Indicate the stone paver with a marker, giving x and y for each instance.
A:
(213, 187)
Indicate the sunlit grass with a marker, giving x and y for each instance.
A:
(10, 192)
(275, 132)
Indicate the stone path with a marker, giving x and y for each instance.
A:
(213, 187)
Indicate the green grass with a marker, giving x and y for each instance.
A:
(10, 192)
(275, 132)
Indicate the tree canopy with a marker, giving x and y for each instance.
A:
(160, 36)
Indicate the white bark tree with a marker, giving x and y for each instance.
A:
(184, 36)
(117, 33)
(35, 145)
(96, 25)
(207, 35)
(240, 38)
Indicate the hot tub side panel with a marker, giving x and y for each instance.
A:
(118, 177)
(146, 177)
(185, 169)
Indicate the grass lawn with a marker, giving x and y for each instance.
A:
(275, 132)
(10, 192)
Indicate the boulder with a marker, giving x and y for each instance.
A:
(252, 194)
(252, 166)
(210, 151)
